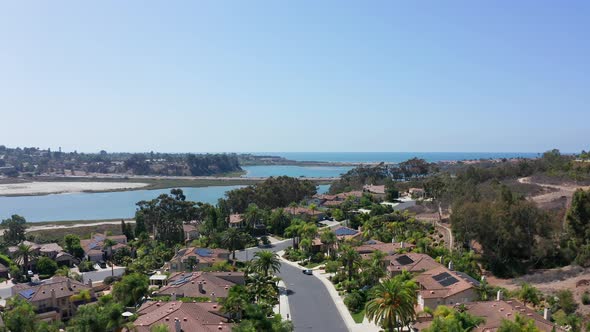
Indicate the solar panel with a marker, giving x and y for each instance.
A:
(404, 260)
(27, 294)
(204, 252)
(448, 281)
(344, 231)
(468, 278)
(441, 276)
(371, 242)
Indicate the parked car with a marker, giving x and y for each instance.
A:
(308, 272)
(102, 264)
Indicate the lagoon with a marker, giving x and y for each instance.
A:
(96, 206)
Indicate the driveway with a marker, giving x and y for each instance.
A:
(97, 276)
(312, 308)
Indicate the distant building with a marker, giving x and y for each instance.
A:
(94, 249)
(52, 298)
(416, 192)
(181, 317)
(191, 232)
(336, 200)
(377, 191)
(202, 284)
(305, 212)
(50, 250)
(236, 221)
(389, 249)
(195, 259)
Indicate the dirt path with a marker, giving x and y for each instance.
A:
(558, 191)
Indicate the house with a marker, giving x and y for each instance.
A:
(236, 220)
(52, 298)
(94, 249)
(181, 317)
(51, 250)
(305, 212)
(336, 200)
(416, 192)
(376, 191)
(195, 259)
(202, 284)
(389, 249)
(191, 232)
(494, 312)
(442, 286)
(345, 233)
(411, 262)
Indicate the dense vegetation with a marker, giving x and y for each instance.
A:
(382, 174)
(34, 161)
(273, 193)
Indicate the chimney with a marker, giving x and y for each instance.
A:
(213, 297)
(547, 314)
(499, 296)
(173, 298)
(91, 289)
(451, 265)
(69, 283)
(177, 326)
(401, 245)
(393, 240)
(201, 287)
(53, 299)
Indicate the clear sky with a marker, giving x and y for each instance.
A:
(207, 76)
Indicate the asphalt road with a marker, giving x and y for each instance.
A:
(312, 308)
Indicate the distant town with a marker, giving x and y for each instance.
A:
(492, 245)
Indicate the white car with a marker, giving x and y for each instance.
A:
(308, 272)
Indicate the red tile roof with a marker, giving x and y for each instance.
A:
(192, 316)
(187, 284)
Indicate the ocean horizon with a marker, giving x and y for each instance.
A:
(395, 157)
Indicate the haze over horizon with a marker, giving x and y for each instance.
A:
(334, 76)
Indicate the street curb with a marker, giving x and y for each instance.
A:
(342, 309)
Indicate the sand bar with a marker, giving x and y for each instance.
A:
(44, 188)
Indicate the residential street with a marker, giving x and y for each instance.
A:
(312, 308)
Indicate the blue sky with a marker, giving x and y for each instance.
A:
(206, 76)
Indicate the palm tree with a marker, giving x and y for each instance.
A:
(232, 239)
(266, 261)
(252, 216)
(520, 324)
(528, 294)
(447, 319)
(349, 258)
(294, 231)
(24, 254)
(108, 246)
(235, 302)
(392, 303)
(328, 238)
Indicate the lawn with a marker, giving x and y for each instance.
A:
(359, 316)
(312, 265)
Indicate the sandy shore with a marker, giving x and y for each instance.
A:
(44, 188)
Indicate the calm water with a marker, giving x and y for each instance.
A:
(295, 171)
(395, 157)
(90, 206)
(85, 206)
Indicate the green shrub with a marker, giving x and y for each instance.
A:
(586, 298)
(355, 301)
(86, 266)
(332, 266)
(46, 266)
(110, 279)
